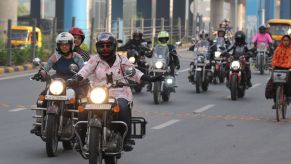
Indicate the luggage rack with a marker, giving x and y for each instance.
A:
(138, 127)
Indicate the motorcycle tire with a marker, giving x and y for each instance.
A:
(205, 85)
(157, 92)
(51, 135)
(241, 93)
(233, 88)
(221, 76)
(198, 82)
(95, 154)
(261, 66)
(110, 160)
(67, 145)
(166, 96)
(279, 107)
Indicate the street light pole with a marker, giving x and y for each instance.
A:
(109, 15)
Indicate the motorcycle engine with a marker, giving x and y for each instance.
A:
(114, 143)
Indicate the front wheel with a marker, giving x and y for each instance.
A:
(280, 104)
(95, 154)
(261, 65)
(157, 92)
(110, 160)
(51, 135)
(198, 82)
(233, 87)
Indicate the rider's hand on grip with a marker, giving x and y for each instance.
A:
(74, 81)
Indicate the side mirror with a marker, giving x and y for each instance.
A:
(130, 72)
(36, 62)
(74, 68)
(119, 41)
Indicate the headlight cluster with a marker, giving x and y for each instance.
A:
(57, 87)
(132, 60)
(99, 95)
(159, 64)
(217, 54)
(200, 59)
(235, 65)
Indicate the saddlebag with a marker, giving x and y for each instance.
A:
(270, 89)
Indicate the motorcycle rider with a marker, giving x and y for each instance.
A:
(136, 43)
(79, 37)
(240, 41)
(264, 37)
(60, 62)
(174, 62)
(107, 62)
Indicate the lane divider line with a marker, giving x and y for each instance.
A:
(204, 108)
(17, 109)
(184, 70)
(163, 125)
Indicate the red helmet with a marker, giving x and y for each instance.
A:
(77, 31)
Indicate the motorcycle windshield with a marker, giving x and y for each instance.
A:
(161, 52)
(202, 47)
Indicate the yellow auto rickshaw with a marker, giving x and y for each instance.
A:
(279, 27)
(21, 36)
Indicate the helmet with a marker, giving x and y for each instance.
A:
(163, 37)
(77, 31)
(137, 35)
(65, 37)
(108, 39)
(262, 29)
(239, 37)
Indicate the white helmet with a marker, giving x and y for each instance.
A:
(65, 37)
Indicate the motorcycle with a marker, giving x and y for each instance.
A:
(140, 64)
(237, 75)
(262, 59)
(200, 72)
(219, 63)
(160, 67)
(55, 112)
(105, 136)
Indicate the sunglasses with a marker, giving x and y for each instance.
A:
(287, 40)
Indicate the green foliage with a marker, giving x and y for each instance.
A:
(22, 10)
(21, 56)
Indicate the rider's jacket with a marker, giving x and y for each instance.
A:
(235, 47)
(61, 65)
(85, 55)
(282, 57)
(136, 45)
(174, 59)
(100, 69)
(258, 38)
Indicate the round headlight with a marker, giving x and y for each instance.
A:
(57, 87)
(159, 64)
(132, 60)
(235, 65)
(217, 54)
(169, 81)
(98, 95)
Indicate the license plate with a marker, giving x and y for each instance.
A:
(199, 69)
(98, 106)
(159, 70)
(52, 97)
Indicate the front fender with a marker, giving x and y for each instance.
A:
(53, 108)
(94, 122)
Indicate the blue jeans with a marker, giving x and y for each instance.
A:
(125, 114)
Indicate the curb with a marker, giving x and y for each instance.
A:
(25, 67)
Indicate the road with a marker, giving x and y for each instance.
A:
(205, 128)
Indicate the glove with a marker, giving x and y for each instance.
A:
(177, 67)
(74, 81)
(37, 77)
(152, 79)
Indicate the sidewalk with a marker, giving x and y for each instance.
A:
(21, 68)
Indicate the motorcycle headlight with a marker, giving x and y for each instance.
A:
(99, 95)
(169, 81)
(217, 54)
(132, 60)
(57, 87)
(159, 64)
(235, 65)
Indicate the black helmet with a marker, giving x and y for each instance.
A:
(137, 35)
(262, 29)
(239, 37)
(106, 45)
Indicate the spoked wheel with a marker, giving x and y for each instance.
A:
(280, 104)
(95, 154)
(51, 135)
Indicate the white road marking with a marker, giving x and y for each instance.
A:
(16, 76)
(184, 70)
(17, 109)
(256, 85)
(165, 124)
(204, 108)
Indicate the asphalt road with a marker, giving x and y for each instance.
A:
(205, 128)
